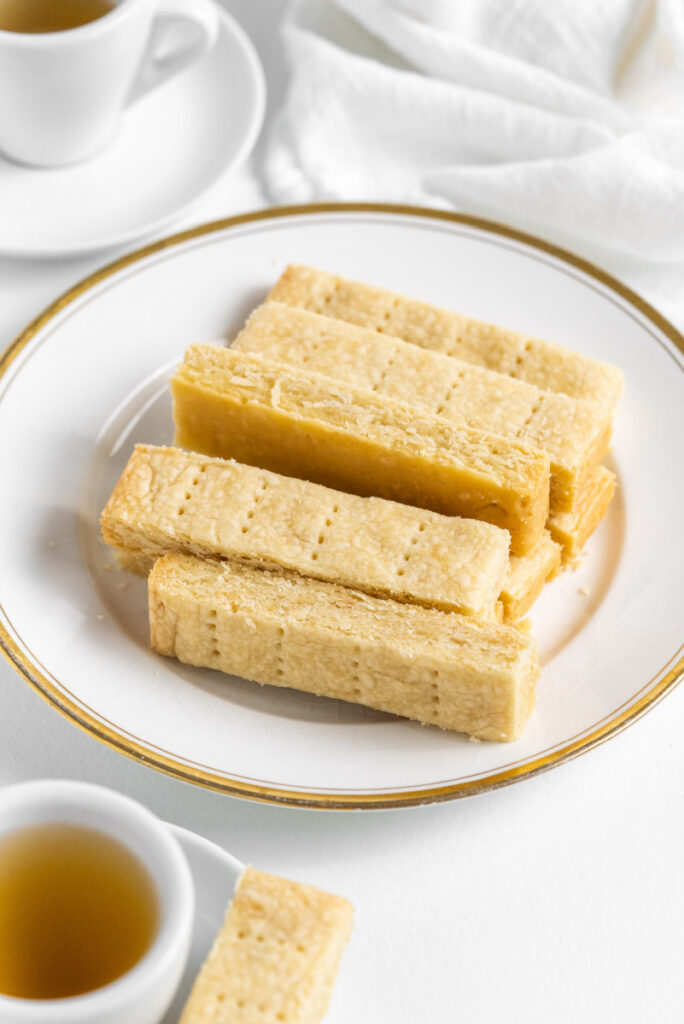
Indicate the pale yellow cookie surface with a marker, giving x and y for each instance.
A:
(237, 405)
(574, 433)
(459, 673)
(526, 576)
(572, 529)
(276, 957)
(168, 499)
(543, 363)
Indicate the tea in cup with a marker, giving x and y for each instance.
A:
(96, 907)
(69, 68)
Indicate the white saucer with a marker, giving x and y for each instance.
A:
(172, 146)
(215, 874)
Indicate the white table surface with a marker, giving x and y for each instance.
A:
(559, 899)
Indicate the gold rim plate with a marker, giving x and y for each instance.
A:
(33, 675)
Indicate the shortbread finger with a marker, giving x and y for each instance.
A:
(436, 667)
(171, 500)
(526, 576)
(544, 363)
(236, 405)
(276, 957)
(574, 433)
(135, 560)
(572, 529)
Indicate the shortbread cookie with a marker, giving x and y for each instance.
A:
(526, 576)
(436, 667)
(172, 500)
(574, 433)
(544, 363)
(236, 405)
(572, 529)
(276, 957)
(134, 560)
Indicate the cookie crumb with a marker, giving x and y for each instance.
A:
(584, 591)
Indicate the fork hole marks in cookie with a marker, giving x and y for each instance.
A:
(145, 415)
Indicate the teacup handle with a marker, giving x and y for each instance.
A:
(155, 70)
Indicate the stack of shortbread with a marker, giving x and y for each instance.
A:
(374, 492)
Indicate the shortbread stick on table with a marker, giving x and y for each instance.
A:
(574, 433)
(236, 405)
(544, 363)
(276, 957)
(572, 529)
(439, 668)
(171, 500)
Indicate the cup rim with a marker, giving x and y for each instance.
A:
(77, 33)
(177, 905)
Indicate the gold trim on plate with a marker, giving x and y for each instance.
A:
(32, 674)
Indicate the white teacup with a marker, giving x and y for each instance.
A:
(143, 994)
(62, 93)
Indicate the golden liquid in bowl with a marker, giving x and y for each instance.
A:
(50, 15)
(77, 910)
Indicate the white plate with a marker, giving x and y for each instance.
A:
(215, 874)
(89, 378)
(172, 146)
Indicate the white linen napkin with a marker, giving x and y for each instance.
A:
(561, 117)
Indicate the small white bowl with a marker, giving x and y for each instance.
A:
(142, 995)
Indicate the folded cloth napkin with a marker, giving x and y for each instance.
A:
(562, 117)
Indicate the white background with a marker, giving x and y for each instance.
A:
(559, 899)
